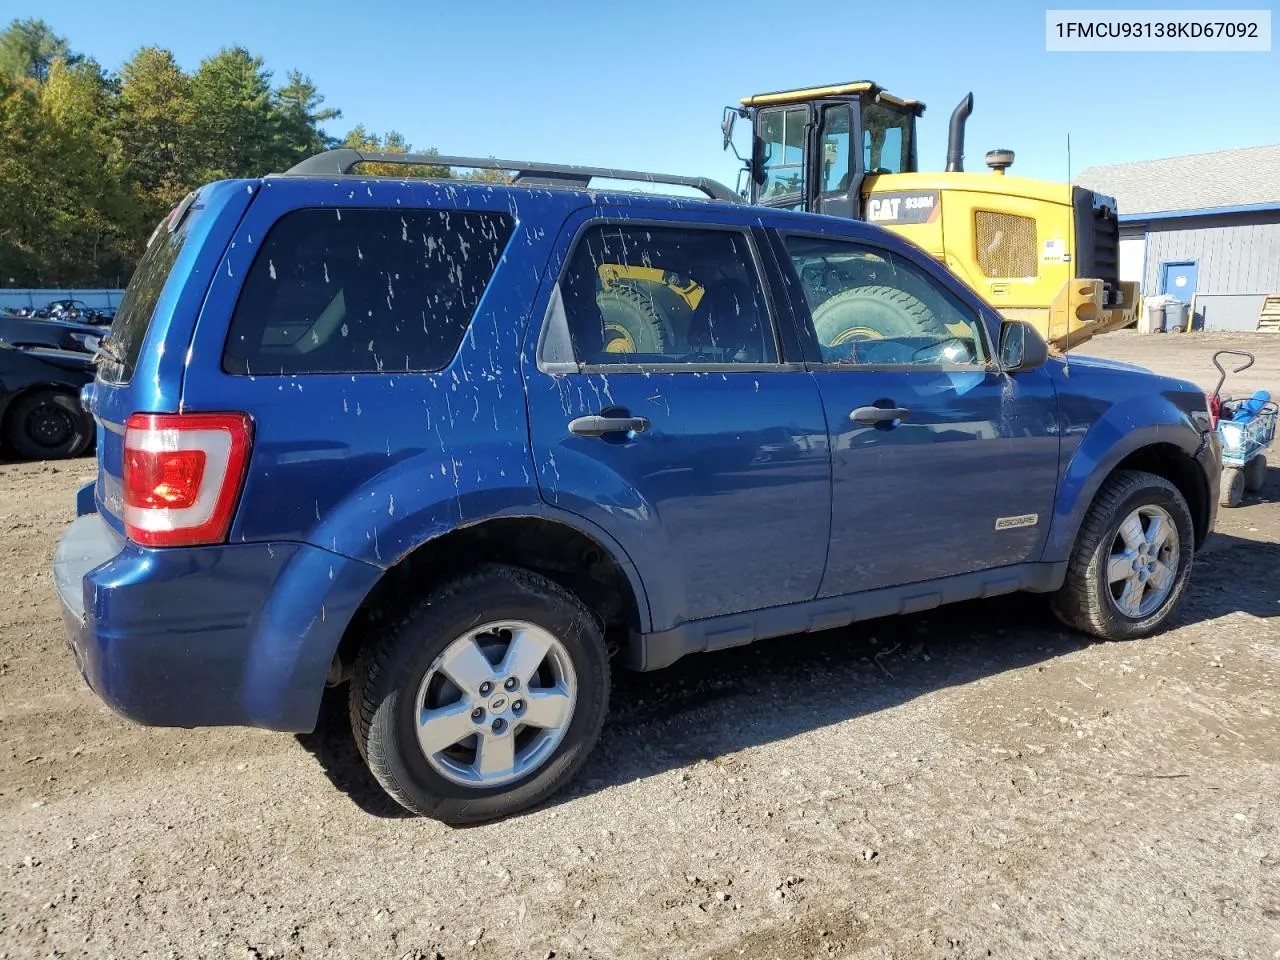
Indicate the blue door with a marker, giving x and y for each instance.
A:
(662, 412)
(1179, 280)
(940, 465)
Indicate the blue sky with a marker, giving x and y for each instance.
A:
(643, 85)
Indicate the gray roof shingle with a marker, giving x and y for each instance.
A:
(1224, 178)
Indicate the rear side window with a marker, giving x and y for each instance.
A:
(363, 291)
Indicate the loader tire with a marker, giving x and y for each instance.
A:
(873, 313)
(632, 322)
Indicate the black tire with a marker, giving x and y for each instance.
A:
(48, 425)
(1231, 490)
(1085, 601)
(391, 668)
(632, 323)
(1255, 473)
(874, 312)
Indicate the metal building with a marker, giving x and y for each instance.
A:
(1204, 228)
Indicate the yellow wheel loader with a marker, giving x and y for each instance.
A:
(1047, 253)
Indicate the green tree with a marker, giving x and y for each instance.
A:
(358, 138)
(78, 93)
(299, 115)
(233, 120)
(89, 224)
(66, 214)
(391, 142)
(487, 175)
(89, 161)
(24, 190)
(28, 48)
(154, 118)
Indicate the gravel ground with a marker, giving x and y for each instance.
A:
(971, 783)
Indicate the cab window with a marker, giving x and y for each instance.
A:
(782, 142)
(837, 157)
(886, 139)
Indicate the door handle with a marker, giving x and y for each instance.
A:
(598, 426)
(879, 414)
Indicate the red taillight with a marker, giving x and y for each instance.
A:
(182, 476)
(167, 479)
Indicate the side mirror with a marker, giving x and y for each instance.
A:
(1021, 347)
(726, 126)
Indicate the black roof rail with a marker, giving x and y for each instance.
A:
(340, 162)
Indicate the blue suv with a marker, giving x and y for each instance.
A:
(465, 446)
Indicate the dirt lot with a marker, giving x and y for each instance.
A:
(972, 783)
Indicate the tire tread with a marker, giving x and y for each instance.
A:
(1079, 602)
(648, 311)
(370, 685)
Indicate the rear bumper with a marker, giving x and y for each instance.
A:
(210, 636)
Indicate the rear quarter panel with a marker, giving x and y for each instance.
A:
(372, 465)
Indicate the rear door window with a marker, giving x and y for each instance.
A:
(664, 295)
(363, 291)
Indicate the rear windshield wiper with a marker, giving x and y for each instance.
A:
(105, 350)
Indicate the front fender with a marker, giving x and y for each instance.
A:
(1123, 429)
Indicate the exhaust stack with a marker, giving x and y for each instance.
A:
(955, 138)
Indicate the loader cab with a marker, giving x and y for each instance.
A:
(812, 148)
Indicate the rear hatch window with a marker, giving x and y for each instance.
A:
(141, 362)
(123, 345)
(363, 291)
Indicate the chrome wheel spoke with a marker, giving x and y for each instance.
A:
(465, 664)
(1131, 531)
(1130, 600)
(1157, 532)
(529, 646)
(1120, 566)
(495, 755)
(1143, 572)
(1162, 577)
(441, 728)
(549, 709)
(515, 728)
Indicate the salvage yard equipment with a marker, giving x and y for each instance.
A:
(1246, 430)
(1042, 252)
